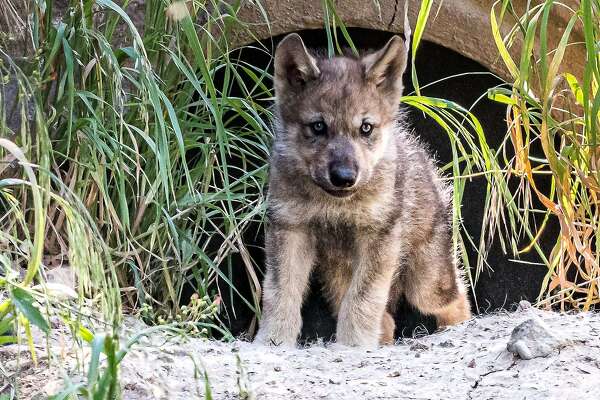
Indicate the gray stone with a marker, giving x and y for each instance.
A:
(524, 305)
(532, 339)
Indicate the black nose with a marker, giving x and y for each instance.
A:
(342, 176)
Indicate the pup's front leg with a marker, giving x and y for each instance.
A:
(290, 258)
(364, 304)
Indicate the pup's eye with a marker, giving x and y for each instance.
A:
(318, 128)
(366, 128)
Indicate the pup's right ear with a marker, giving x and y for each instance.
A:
(294, 67)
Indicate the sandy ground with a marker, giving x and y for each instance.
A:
(469, 361)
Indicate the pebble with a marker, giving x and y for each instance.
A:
(524, 305)
(532, 339)
(419, 346)
(447, 343)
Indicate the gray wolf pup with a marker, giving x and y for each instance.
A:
(355, 198)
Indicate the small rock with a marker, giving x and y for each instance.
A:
(64, 279)
(447, 343)
(472, 364)
(55, 322)
(394, 374)
(337, 360)
(277, 369)
(532, 339)
(334, 381)
(419, 346)
(524, 305)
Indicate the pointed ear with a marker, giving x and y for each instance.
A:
(294, 67)
(385, 67)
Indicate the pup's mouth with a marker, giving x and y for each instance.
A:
(333, 191)
(339, 193)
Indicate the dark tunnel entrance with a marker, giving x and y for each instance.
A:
(510, 281)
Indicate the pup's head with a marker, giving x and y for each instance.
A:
(337, 114)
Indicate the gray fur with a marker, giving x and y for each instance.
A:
(388, 234)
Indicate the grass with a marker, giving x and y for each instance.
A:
(555, 109)
(147, 145)
(140, 162)
(143, 173)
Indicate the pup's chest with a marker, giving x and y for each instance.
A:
(336, 242)
(335, 217)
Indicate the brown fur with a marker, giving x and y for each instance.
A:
(386, 235)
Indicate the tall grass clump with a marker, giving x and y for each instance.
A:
(135, 158)
(553, 116)
(160, 136)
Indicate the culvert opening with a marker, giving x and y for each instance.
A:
(501, 285)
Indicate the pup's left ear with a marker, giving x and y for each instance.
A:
(385, 67)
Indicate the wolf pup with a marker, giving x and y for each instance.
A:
(354, 197)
